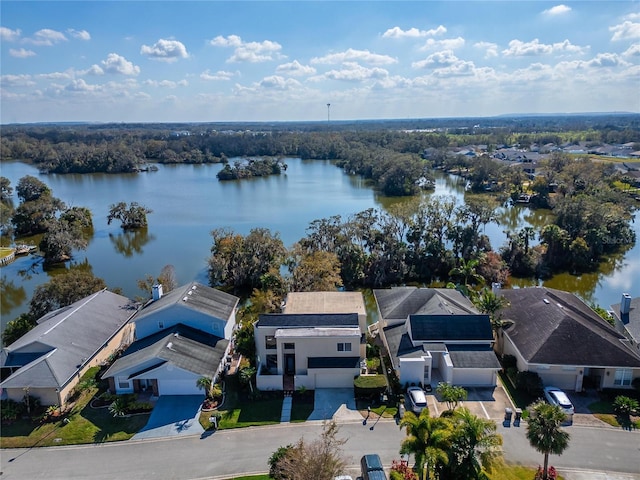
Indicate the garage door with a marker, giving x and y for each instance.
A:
(477, 377)
(178, 387)
(561, 380)
(334, 380)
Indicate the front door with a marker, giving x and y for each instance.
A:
(289, 364)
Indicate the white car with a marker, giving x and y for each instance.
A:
(555, 396)
(417, 399)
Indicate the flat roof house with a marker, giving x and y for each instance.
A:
(48, 361)
(317, 342)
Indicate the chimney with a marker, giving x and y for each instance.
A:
(625, 304)
(157, 291)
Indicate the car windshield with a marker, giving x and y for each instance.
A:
(562, 399)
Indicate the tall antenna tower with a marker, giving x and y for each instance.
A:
(328, 112)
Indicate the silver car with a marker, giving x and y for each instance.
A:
(555, 396)
(417, 399)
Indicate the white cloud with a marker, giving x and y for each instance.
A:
(276, 82)
(397, 32)
(79, 34)
(444, 58)
(295, 69)
(93, 70)
(353, 72)
(8, 35)
(352, 55)
(165, 50)
(557, 10)
(115, 63)
(252, 52)
(46, 37)
(16, 81)
(444, 44)
(166, 83)
(632, 51)
(21, 53)
(81, 86)
(518, 48)
(625, 31)
(606, 60)
(56, 75)
(632, 16)
(219, 75)
(490, 49)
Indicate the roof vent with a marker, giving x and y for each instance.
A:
(185, 299)
(545, 301)
(170, 346)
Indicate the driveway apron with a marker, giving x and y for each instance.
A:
(173, 416)
(334, 403)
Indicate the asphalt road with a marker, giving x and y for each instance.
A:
(231, 452)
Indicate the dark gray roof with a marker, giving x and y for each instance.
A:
(465, 358)
(631, 320)
(199, 298)
(181, 346)
(556, 327)
(333, 362)
(66, 339)
(450, 327)
(308, 320)
(400, 302)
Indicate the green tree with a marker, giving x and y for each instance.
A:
(60, 239)
(132, 216)
(17, 328)
(428, 439)
(6, 190)
(545, 433)
(29, 188)
(206, 384)
(490, 303)
(33, 216)
(312, 272)
(475, 446)
(451, 394)
(466, 271)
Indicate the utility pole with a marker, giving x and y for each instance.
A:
(328, 112)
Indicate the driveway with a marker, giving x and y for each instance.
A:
(173, 416)
(485, 402)
(335, 403)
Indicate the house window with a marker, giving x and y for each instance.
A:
(160, 324)
(122, 384)
(623, 377)
(289, 346)
(270, 342)
(344, 347)
(272, 362)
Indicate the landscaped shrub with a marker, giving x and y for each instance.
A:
(623, 405)
(530, 382)
(400, 470)
(11, 410)
(509, 361)
(369, 386)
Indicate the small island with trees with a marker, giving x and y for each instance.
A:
(252, 167)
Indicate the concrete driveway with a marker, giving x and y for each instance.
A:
(173, 416)
(335, 403)
(485, 402)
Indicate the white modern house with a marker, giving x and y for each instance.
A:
(317, 342)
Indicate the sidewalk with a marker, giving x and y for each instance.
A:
(578, 474)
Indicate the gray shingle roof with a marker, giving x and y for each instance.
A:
(66, 339)
(450, 327)
(630, 320)
(557, 328)
(474, 358)
(181, 346)
(308, 320)
(201, 298)
(400, 302)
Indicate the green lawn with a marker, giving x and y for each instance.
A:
(520, 399)
(86, 425)
(514, 472)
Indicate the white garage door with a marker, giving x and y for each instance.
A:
(476, 377)
(178, 387)
(334, 380)
(566, 381)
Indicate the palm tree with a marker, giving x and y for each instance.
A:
(544, 431)
(427, 439)
(206, 384)
(467, 271)
(490, 303)
(475, 446)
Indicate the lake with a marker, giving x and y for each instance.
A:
(188, 202)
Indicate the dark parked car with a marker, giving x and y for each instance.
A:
(371, 467)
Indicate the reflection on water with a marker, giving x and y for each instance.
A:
(130, 242)
(188, 202)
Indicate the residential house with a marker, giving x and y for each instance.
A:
(436, 334)
(48, 361)
(627, 318)
(180, 337)
(557, 335)
(317, 342)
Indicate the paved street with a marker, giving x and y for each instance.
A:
(246, 450)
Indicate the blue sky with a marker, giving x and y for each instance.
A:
(163, 61)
